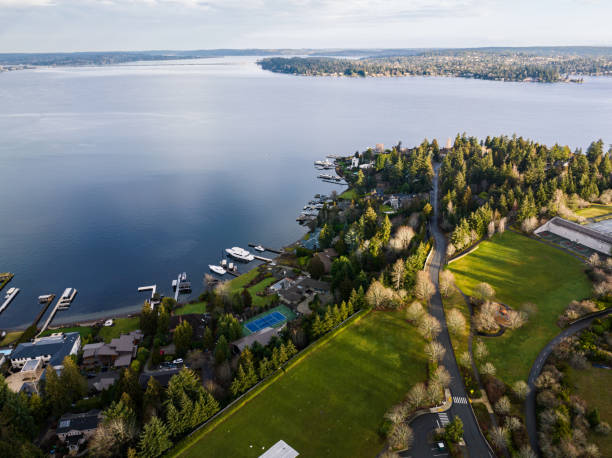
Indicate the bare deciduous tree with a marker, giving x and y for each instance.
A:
(484, 320)
(429, 327)
(465, 359)
(435, 393)
(401, 240)
(516, 319)
(378, 296)
(512, 423)
(456, 322)
(499, 436)
(447, 282)
(450, 250)
(501, 226)
(397, 273)
(491, 229)
(424, 288)
(526, 452)
(529, 224)
(417, 396)
(396, 414)
(488, 369)
(480, 351)
(401, 437)
(435, 351)
(520, 389)
(503, 406)
(414, 312)
(441, 376)
(484, 292)
(110, 437)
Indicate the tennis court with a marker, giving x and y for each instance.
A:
(268, 321)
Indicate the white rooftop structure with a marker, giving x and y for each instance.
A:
(280, 450)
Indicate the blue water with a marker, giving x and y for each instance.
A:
(123, 176)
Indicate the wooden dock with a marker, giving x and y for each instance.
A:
(271, 250)
(235, 274)
(50, 318)
(43, 310)
(8, 300)
(261, 258)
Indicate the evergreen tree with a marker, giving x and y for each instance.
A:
(221, 350)
(182, 338)
(154, 439)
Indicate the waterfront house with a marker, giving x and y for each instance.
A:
(76, 429)
(118, 352)
(326, 257)
(263, 337)
(50, 350)
(302, 289)
(282, 284)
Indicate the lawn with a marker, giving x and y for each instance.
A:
(332, 402)
(198, 307)
(10, 337)
(121, 326)
(523, 270)
(85, 331)
(594, 210)
(593, 385)
(238, 283)
(349, 194)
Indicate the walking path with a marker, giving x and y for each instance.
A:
(530, 404)
(475, 442)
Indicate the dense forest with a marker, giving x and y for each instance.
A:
(505, 66)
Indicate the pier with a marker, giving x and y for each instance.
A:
(261, 258)
(46, 301)
(62, 304)
(8, 298)
(152, 288)
(50, 318)
(271, 250)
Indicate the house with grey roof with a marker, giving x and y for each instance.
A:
(50, 350)
(76, 429)
(118, 352)
(263, 337)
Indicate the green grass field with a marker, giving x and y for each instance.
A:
(349, 194)
(523, 270)
(593, 385)
(121, 326)
(332, 402)
(10, 337)
(456, 300)
(199, 307)
(594, 210)
(85, 331)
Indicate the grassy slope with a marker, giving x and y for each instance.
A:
(198, 307)
(122, 325)
(594, 211)
(593, 385)
(83, 330)
(523, 270)
(10, 337)
(332, 402)
(349, 194)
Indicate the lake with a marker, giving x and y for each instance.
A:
(122, 176)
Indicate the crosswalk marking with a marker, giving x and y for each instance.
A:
(443, 418)
(460, 400)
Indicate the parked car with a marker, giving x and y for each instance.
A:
(109, 322)
(178, 361)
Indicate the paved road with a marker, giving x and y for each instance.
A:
(530, 404)
(476, 444)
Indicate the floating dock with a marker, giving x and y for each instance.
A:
(152, 288)
(261, 258)
(46, 301)
(271, 250)
(62, 304)
(181, 285)
(10, 295)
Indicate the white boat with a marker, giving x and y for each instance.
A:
(217, 269)
(10, 291)
(324, 163)
(259, 248)
(239, 254)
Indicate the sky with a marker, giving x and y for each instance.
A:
(130, 25)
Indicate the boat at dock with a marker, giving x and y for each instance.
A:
(9, 296)
(259, 248)
(324, 163)
(66, 298)
(217, 269)
(239, 254)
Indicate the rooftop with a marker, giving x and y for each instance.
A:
(57, 346)
(582, 229)
(78, 422)
(280, 450)
(262, 336)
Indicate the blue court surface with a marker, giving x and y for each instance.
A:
(267, 321)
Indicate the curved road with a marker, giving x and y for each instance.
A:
(530, 404)
(476, 444)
